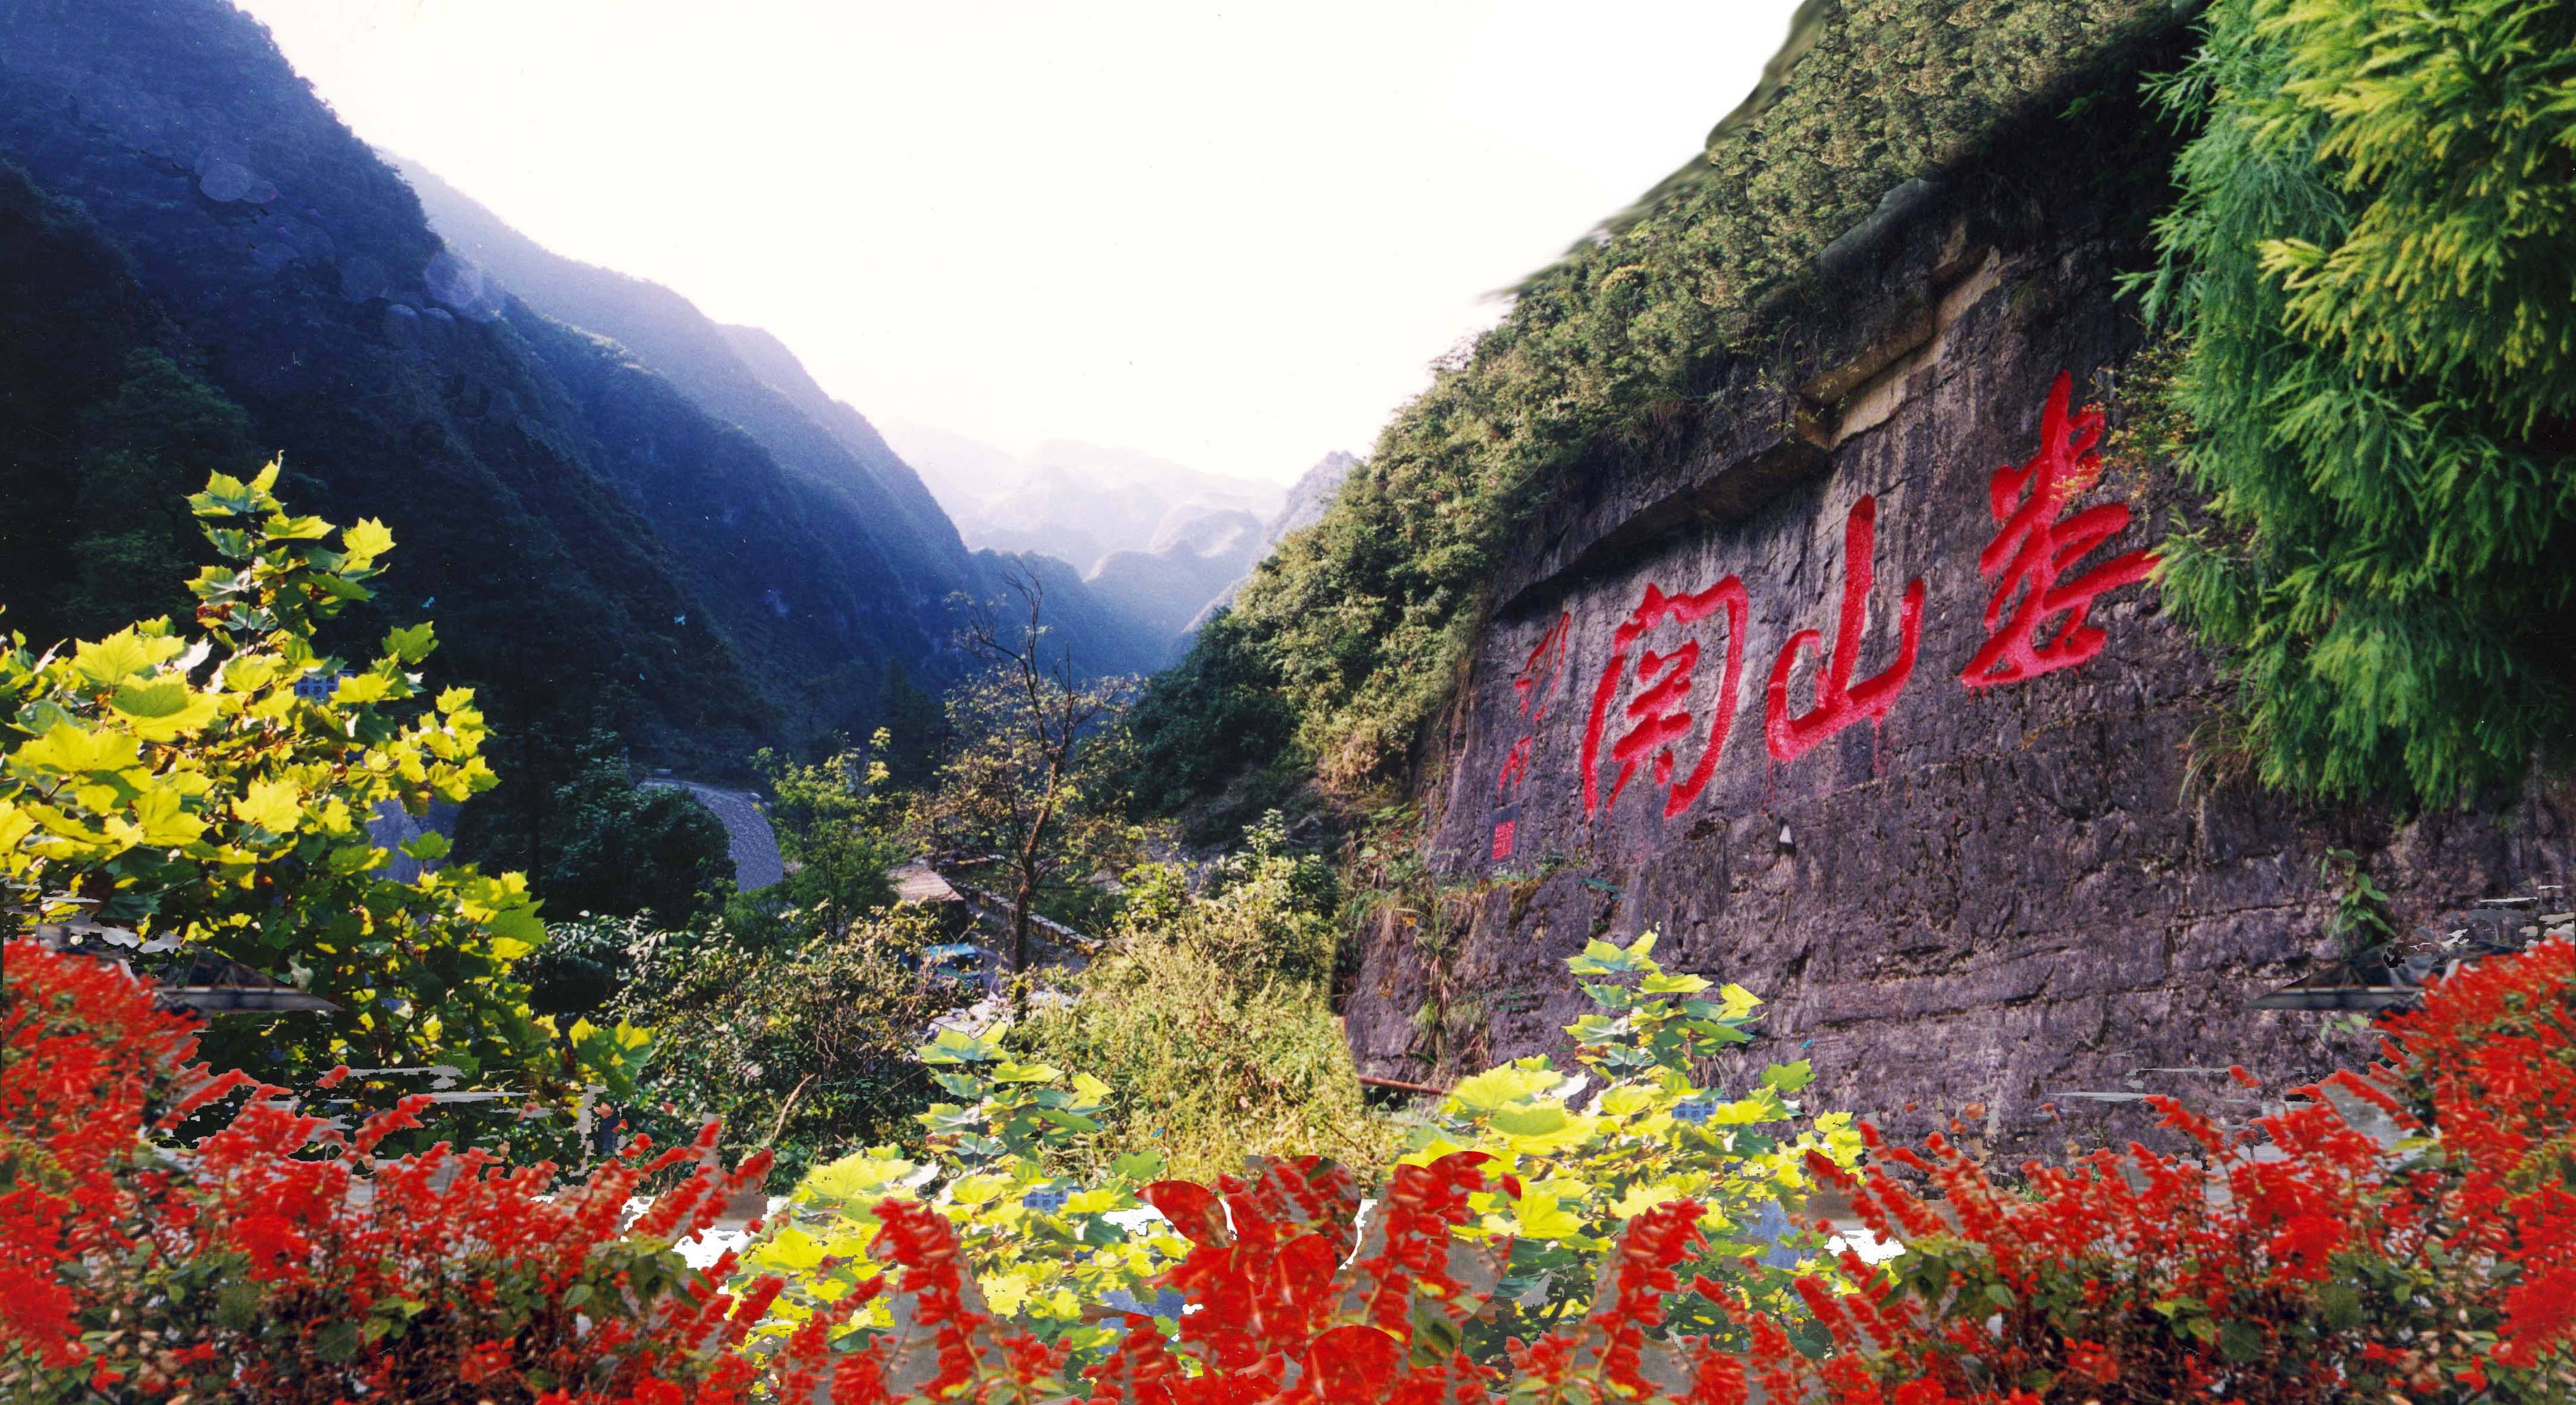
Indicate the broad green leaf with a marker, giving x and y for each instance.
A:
(68, 750)
(361, 544)
(164, 818)
(162, 708)
(1500, 1087)
(1789, 1078)
(1531, 1120)
(1537, 1215)
(1641, 1198)
(114, 659)
(411, 645)
(981, 1189)
(359, 688)
(953, 1047)
(428, 846)
(244, 673)
(1139, 1165)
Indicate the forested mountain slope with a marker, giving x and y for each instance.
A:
(746, 378)
(669, 547)
(707, 363)
(588, 542)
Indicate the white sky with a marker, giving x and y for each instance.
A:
(1234, 238)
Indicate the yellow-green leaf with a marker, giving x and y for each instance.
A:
(363, 543)
(273, 805)
(69, 750)
(411, 645)
(1499, 1087)
(1538, 1216)
(1532, 1120)
(114, 659)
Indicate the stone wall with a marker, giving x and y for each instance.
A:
(1959, 896)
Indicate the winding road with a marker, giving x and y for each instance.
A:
(754, 846)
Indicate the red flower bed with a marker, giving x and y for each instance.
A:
(2298, 1259)
(279, 1260)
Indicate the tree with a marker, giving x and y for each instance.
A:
(839, 823)
(212, 795)
(133, 543)
(1028, 783)
(912, 733)
(804, 1049)
(2371, 262)
(624, 849)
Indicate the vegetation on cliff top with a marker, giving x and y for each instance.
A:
(2368, 268)
(1358, 624)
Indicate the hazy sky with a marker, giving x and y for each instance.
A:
(1234, 237)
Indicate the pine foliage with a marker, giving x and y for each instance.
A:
(2374, 259)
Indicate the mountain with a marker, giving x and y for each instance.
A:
(1157, 542)
(748, 378)
(655, 533)
(620, 514)
(1307, 499)
(1310, 495)
(737, 375)
(1074, 501)
(1164, 590)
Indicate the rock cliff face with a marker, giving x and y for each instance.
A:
(1725, 695)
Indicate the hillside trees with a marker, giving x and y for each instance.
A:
(2371, 260)
(1359, 623)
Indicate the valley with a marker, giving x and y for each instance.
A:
(1937, 765)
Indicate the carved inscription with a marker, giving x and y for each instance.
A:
(2034, 546)
(1651, 710)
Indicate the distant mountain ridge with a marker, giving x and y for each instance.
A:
(1074, 501)
(1306, 500)
(1160, 542)
(748, 378)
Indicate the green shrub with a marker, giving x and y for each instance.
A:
(1041, 1173)
(626, 850)
(1209, 1018)
(2374, 260)
(807, 1049)
(839, 824)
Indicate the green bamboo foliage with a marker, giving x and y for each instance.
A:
(2371, 259)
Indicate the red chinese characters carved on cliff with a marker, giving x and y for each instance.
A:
(1656, 714)
(2034, 547)
(1840, 702)
(1535, 687)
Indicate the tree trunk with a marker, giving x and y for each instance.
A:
(1021, 903)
